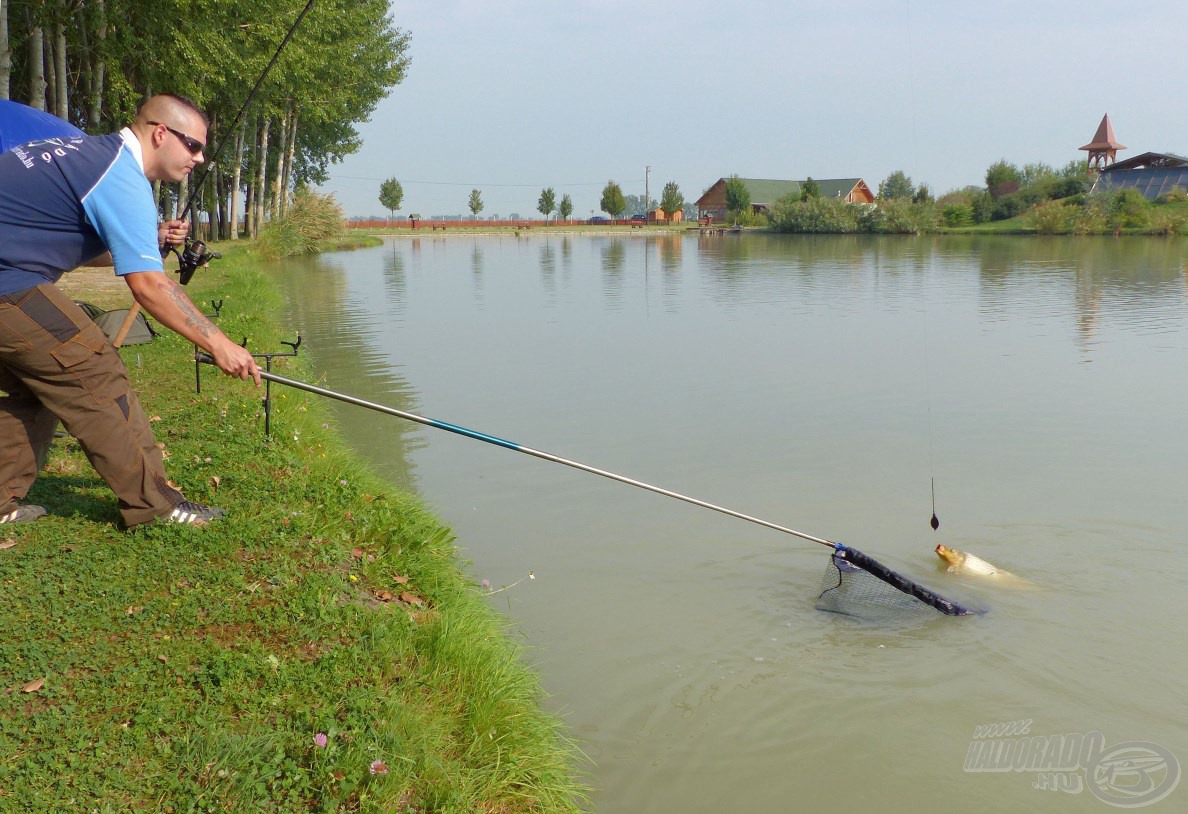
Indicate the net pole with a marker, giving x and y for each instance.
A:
(547, 456)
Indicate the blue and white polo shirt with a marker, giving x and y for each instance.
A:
(65, 201)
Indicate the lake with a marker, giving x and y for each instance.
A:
(830, 385)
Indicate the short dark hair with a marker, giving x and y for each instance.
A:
(180, 101)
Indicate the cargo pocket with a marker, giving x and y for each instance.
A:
(78, 337)
(82, 346)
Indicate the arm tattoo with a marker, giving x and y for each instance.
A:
(192, 316)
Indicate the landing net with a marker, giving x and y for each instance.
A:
(854, 582)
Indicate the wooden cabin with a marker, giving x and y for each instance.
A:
(765, 192)
(658, 215)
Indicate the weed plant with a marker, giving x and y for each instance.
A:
(318, 650)
(312, 220)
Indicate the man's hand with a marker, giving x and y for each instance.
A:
(172, 233)
(235, 360)
(162, 297)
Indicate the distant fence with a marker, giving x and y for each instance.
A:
(446, 225)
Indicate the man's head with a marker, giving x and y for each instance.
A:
(172, 133)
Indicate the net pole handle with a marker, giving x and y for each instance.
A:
(501, 442)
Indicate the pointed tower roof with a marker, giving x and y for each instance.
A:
(1103, 139)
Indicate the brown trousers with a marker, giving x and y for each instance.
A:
(55, 363)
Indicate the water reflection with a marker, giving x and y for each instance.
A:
(548, 266)
(821, 382)
(347, 334)
(671, 251)
(614, 258)
(394, 282)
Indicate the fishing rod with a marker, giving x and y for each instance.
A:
(243, 109)
(194, 253)
(547, 456)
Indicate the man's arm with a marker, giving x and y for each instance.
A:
(162, 297)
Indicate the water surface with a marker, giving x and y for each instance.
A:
(822, 383)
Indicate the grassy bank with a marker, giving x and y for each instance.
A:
(320, 649)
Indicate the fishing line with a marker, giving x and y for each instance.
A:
(934, 521)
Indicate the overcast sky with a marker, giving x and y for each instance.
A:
(511, 96)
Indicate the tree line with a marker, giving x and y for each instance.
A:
(1052, 201)
(92, 62)
(613, 201)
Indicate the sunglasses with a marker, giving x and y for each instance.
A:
(192, 144)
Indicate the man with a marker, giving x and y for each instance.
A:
(65, 202)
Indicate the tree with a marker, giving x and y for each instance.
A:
(1032, 174)
(810, 189)
(639, 205)
(738, 197)
(1002, 178)
(547, 202)
(613, 203)
(923, 195)
(390, 195)
(566, 207)
(476, 203)
(671, 199)
(982, 207)
(5, 54)
(95, 60)
(896, 185)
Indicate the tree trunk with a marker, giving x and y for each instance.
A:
(98, 69)
(5, 54)
(249, 202)
(236, 173)
(219, 216)
(276, 207)
(290, 151)
(36, 60)
(183, 192)
(61, 93)
(261, 176)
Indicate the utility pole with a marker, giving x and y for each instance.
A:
(647, 197)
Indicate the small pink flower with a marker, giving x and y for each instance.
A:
(379, 767)
(320, 740)
(486, 584)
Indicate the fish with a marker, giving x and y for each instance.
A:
(963, 563)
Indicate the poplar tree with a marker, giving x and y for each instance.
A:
(547, 202)
(94, 61)
(390, 195)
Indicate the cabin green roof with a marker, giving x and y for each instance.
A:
(765, 191)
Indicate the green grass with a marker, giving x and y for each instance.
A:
(190, 669)
(1165, 219)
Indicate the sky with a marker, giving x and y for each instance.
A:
(512, 96)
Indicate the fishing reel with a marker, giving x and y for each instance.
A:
(190, 258)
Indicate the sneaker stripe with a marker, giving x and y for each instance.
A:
(23, 514)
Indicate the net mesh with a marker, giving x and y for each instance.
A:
(856, 584)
